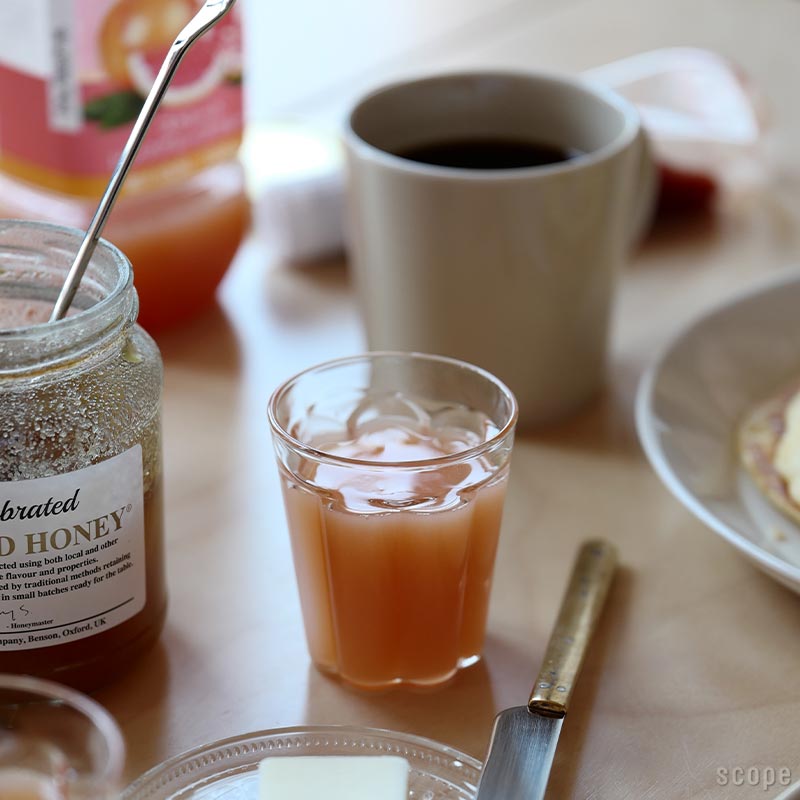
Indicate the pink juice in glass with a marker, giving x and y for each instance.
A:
(394, 517)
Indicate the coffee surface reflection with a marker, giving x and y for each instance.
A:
(488, 153)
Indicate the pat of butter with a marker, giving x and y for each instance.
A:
(333, 778)
(787, 455)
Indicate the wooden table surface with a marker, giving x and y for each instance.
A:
(695, 667)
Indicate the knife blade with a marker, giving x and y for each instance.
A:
(524, 738)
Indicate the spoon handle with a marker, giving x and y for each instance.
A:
(206, 18)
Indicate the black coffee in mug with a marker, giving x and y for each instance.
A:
(488, 153)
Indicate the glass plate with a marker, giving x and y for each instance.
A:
(229, 768)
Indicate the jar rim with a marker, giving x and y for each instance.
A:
(41, 250)
(124, 279)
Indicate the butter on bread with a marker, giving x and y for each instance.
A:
(769, 448)
(787, 453)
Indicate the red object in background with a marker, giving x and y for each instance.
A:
(683, 192)
(704, 119)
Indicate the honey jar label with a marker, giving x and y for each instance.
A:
(72, 555)
(77, 72)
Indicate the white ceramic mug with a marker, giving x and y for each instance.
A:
(510, 269)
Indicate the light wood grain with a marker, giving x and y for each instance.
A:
(694, 666)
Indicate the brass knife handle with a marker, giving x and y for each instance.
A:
(577, 619)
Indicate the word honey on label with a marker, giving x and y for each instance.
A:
(82, 587)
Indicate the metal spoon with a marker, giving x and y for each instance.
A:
(208, 16)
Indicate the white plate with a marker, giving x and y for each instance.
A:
(689, 405)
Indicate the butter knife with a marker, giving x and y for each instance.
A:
(524, 738)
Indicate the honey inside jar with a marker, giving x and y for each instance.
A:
(82, 588)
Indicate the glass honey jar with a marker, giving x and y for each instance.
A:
(82, 588)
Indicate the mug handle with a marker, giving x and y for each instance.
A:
(646, 189)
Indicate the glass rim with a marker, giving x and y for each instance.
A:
(330, 458)
(115, 762)
(159, 780)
